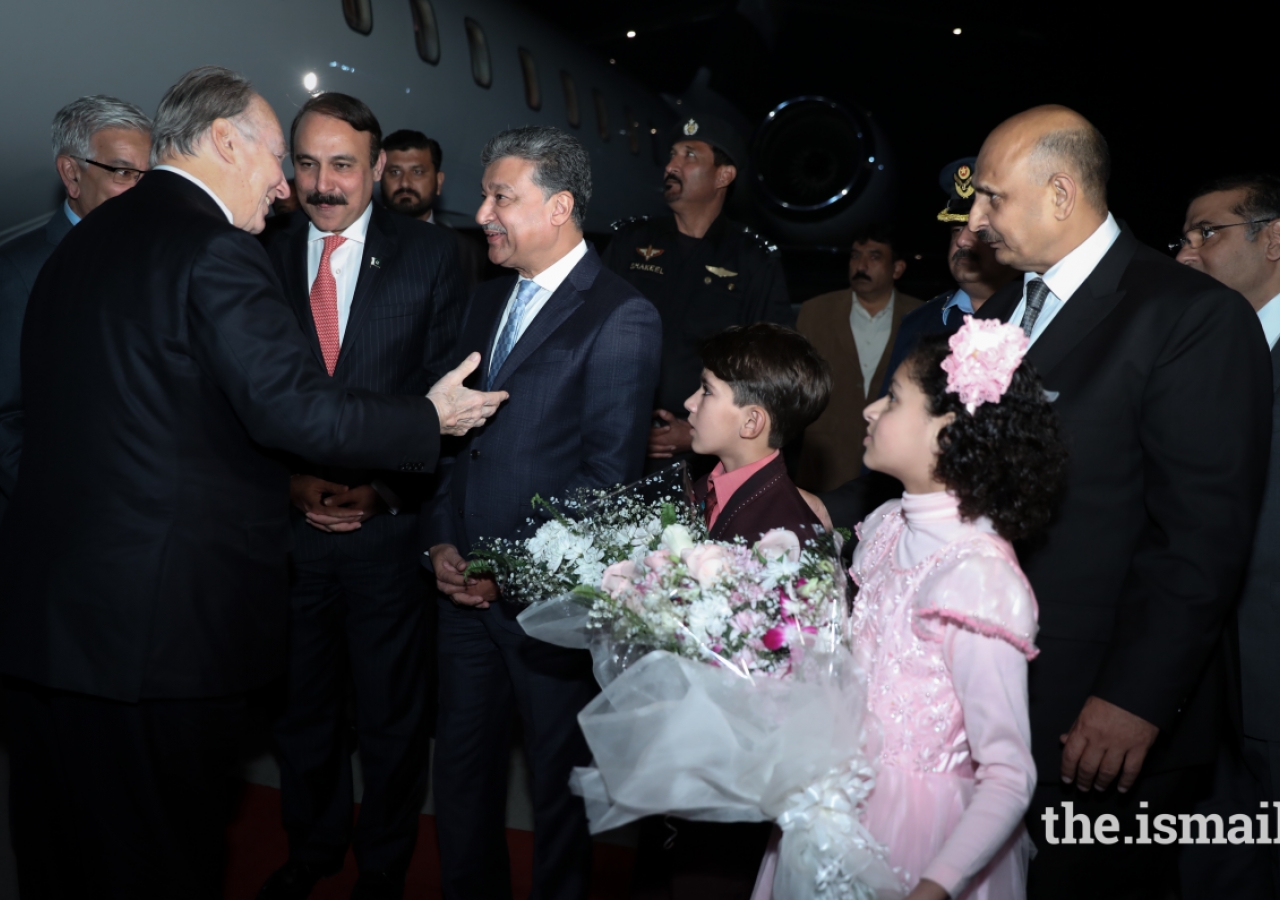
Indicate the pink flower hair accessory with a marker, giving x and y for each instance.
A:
(984, 355)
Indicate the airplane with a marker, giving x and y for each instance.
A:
(460, 70)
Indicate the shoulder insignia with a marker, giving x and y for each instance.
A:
(944, 296)
(630, 220)
(768, 246)
(720, 273)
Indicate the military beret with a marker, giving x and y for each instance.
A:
(716, 132)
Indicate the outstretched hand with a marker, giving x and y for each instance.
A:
(1104, 742)
(459, 408)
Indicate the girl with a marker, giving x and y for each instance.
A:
(945, 622)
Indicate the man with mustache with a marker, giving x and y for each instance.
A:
(701, 270)
(411, 185)
(853, 330)
(380, 300)
(973, 264)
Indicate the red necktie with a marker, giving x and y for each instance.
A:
(324, 304)
(710, 504)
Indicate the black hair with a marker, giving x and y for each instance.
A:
(1261, 198)
(881, 233)
(1007, 460)
(775, 368)
(407, 139)
(350, 110)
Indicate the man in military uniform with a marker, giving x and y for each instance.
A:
(973, 266)
(702, 271)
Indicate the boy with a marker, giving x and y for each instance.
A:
(762, 385)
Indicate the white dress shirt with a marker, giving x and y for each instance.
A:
(1066, 275)
(200, 184)
(870, 336)
(1269, 316)
(344, 263)
(547, 280)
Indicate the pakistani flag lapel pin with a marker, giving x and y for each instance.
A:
(375, 263)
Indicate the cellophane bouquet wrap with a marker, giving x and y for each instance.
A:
(729, 695)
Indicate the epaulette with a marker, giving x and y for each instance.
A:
(944, 296)
(630, 220)
(768, 246)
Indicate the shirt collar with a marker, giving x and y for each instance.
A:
(726, 483)
(1067, 274)
(1269, 316)
(200, 184)
(961, 299)
(861, 311)
(550, 278)
(357, 231)
(71, 215)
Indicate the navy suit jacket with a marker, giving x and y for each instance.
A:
(20, 263)
(145, 549)
(401, 331)
(581, 380)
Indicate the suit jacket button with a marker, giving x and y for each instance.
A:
(475, 454)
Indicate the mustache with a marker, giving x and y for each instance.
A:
(987, 236)
(859, 276)
(315, 198)
(492, 228)
(963, 253)
(672, 178)
(406, 192)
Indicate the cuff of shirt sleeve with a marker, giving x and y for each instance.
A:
(388, 496)
(951, 880)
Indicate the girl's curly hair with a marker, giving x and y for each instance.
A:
(1006, 461)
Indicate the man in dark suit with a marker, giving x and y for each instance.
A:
(1232, 233)
(411, 185)
(101, 147)
(358, 593)
(145, 548)
(578, 349)
(1162, 384)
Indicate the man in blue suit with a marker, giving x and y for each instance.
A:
(578, 349)
(380, 298)
(100, 147)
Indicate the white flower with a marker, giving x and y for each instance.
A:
(676, 538)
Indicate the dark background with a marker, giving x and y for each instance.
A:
(1182, 94)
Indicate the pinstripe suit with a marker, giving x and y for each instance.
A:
(357, 599)
(581, 380)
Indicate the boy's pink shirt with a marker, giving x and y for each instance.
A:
(726, 483)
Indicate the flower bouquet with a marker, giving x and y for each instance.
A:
(729, 695)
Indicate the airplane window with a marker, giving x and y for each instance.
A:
(571, 99)
(633, 129)
(359, 14)
(426, 34)
(532, 94)
(481, 70)
(602, 114)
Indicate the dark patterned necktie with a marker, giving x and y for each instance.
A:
(710, 504)
(1037, 293)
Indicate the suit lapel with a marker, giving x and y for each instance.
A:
(295, 284)
(558, 308)
(749, 492)
(1275, 368)
(379, 245)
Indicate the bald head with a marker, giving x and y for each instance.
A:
(1042, 186)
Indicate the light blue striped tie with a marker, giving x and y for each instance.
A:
(525, 293)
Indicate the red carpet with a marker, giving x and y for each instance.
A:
(258, 846)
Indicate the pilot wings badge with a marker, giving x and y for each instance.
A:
(649, 252)
(720, 273)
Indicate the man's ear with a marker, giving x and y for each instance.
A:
(899, 267)
(380, 165)
(725, 175)
(1065, 194)
(439, 182)
(1272, 236)
(755, 424)
(561, 208)
(69, 172)
(226, 139)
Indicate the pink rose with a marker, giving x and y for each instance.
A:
(658, 561)
(618, 577)
(775, 638)
(778, 543)
(705, 562)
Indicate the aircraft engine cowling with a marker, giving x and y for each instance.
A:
(821, 169)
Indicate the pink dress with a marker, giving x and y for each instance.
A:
(944, 625)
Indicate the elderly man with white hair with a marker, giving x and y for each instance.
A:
(165, 379)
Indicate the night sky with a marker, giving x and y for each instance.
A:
(1181, 97)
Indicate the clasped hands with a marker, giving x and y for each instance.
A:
(1105, 742)
(334, 507)
(672, 437)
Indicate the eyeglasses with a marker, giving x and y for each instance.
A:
(119, 174)
(1196, 237)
